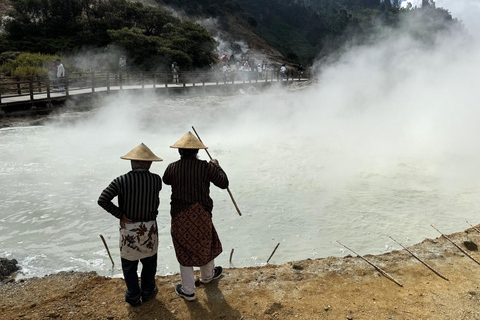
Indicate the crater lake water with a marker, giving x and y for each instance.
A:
(304, 173)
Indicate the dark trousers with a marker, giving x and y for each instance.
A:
(149, 269)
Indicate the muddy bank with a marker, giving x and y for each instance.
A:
(329, 288)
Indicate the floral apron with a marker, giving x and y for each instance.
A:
(138, 240)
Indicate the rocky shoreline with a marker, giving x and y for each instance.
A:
(328, 288)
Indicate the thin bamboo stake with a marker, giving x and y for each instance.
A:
(384, 273)
(231, 255)
(424, 263)
(106, 247)
(228, 189)
(474, 228)
(273, 252)
(464, 252)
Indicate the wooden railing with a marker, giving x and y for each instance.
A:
(34, 88)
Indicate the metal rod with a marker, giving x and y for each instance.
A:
(106, 247)
(474, 228)
(464, 252)
(228, 189)
(424, 263)
(273, 252)
(384, 273)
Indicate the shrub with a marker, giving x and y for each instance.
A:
(25, 64)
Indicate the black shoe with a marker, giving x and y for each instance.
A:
(188, 297)
(151, 296)
(217, 273)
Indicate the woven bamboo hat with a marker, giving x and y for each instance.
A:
(189, 141)
(141, 153)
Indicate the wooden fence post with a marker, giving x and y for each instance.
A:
(48, 88)
(39, 83)
(92, 77)
(30, 87)
(108, 81)
(67, 86)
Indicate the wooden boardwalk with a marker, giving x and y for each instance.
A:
(38, 92)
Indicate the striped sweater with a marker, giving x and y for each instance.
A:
(137, 193)
(190, 180)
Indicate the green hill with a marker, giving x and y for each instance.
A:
(158, 32)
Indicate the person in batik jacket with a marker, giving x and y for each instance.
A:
(194, 237)
(138, 201)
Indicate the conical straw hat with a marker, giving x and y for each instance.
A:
(141, 153)
(189, 141)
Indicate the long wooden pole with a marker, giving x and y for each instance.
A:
(384, 273)
(106, 247)
(228, 189)
(464, 252)
(424, 263)
(474, 228)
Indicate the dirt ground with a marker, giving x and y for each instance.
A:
(330, 288)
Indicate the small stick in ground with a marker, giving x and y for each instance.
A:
(231, 255)
(424, 263)
(106, 247)
(474, 228)
(273, 252)
(464, 252)
(384, 273)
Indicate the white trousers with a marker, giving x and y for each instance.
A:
(188, 276)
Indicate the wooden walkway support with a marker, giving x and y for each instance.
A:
(28, 91)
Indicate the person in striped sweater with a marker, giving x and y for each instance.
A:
(194, 236)
(138, 201)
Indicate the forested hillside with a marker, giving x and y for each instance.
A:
(305, 29)
(154, 35)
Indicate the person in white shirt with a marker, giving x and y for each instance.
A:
(283, 70)
(60, 74)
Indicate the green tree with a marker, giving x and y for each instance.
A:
(151, 35)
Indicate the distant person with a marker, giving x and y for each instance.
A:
(225, 72)
(283, 71)
(260, 71)
(60, 75)
(175, 70)
(122, 62)
(193, 234)
(138, 201)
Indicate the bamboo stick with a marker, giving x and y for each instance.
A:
(474, 228)
(273, 252)
(424, 263)
(228, 189)
(384, 273)
(464, 252)
(106, 247)
(231, 255)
